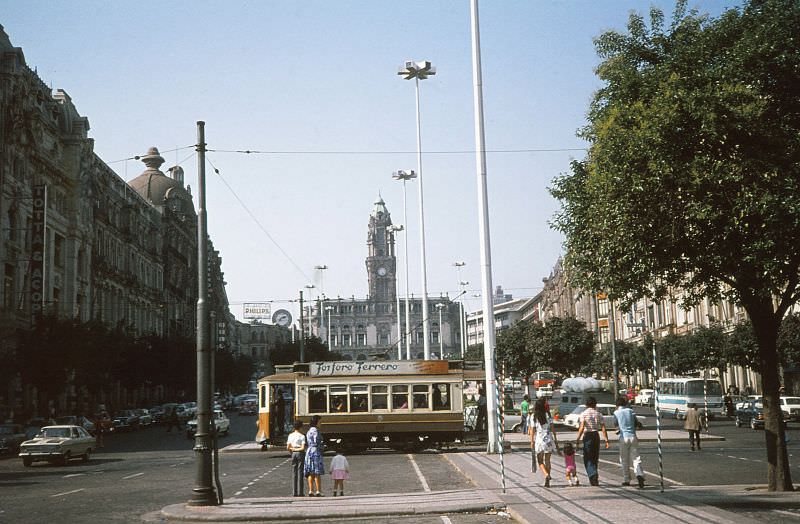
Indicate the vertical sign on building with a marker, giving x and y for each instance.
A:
(38, 222)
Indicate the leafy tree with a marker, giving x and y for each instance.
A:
(289, 352)
(474, 352)
(514, 348)
(565, 346)
(692, 179)
(44, 354)
(789, 340)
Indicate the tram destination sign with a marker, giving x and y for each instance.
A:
(389, 367)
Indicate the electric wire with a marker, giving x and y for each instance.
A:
(138, 157)
(258, 223)
(398, 152)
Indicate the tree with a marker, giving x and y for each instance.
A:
(565, 345)
(691, 179)
(314, 349)
(514, 348)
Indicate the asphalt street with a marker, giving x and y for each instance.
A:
(138, 473)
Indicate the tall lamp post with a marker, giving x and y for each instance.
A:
(420, 70)
(406, 176)
(439, 307)
(495, 435)
(329, 309)
(463, 284)
(320, 298)
(396, 228)
(459, 265)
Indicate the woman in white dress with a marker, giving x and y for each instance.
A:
(543, 439)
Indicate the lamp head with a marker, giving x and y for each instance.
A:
(421, 69)
(404, 174)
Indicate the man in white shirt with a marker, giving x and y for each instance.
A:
(296, 443)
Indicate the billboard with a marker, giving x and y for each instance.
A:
(257, 310)
(38, 224)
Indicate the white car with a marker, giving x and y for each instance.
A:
(221, 422)
(645, 397)
(791, 407)
(58, 444)
(606, 410)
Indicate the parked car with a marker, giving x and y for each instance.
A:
(248, 408)
(791, 407)
(157, 412)
(126, 420)
(750, 413)
(191, 409)
(145, 418)
(11, 436)
(221, 422)
(58, 444)
(645, 397)
(76, 420)
(606, 410)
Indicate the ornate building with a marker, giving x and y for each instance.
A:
(363, 329)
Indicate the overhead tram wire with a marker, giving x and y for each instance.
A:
(138, 157)
(451, 152)
(255, 219)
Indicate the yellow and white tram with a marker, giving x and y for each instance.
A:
(405, 405)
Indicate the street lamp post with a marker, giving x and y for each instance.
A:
(420, 70)
(320, 298)
(440, 306)
(459, 264)
(329, 309)
(463, 319)
(405, 176)
(396, 228)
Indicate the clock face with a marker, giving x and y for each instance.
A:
(282, 318)
(382, 271)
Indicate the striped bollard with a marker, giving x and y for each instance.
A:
(499, 421)
(658, 419)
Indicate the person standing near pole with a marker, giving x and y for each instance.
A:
(523, 411)
(296, 444)
(591, 423)
(693, 424)
(628, 443)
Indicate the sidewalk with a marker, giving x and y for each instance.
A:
(528, 502)
(644, 435)
(328, 508)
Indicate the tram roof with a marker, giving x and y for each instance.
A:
(349, 368)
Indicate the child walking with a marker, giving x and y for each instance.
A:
(569, 462)
(340, 471)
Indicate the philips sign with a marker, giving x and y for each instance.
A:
(257, 311)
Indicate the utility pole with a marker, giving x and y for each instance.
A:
(612, 333)
(203, 492)
(302, 331)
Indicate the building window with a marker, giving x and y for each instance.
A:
(346, 340)
(384, 339)
(333, 340)
(361, 339)
(434, 337)
(420, 337)
(58, 250)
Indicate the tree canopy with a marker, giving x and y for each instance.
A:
(691, 179)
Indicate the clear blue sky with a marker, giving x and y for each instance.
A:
(304, 77)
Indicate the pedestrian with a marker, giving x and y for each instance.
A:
(693, 424)
(523, 411)
(480, 424)
(569, 464)
(340, 471)
(591, 424)
(628, 443)
(296, 443)
(543, 440)
(314, 466)
(173, 420)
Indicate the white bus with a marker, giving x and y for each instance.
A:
(674, 394)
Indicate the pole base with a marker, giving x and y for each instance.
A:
(203, 497)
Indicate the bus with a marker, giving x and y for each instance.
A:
(544, 378)
(675, 393)
(406, 405)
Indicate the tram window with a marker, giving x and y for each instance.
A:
(317, 399)
(421, 396)
(263, 396)
(399, 397)
(441, 397)
(380, 397)
(338, 399)
(359, 398)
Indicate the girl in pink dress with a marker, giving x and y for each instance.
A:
(340, 471)
(569, 462)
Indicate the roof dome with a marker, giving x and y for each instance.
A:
(153, 185)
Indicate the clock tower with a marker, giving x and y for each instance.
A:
(381, 261)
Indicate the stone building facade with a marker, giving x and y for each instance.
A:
(79, 242)
(365, 329)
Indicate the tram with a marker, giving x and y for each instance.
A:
(406, 405)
